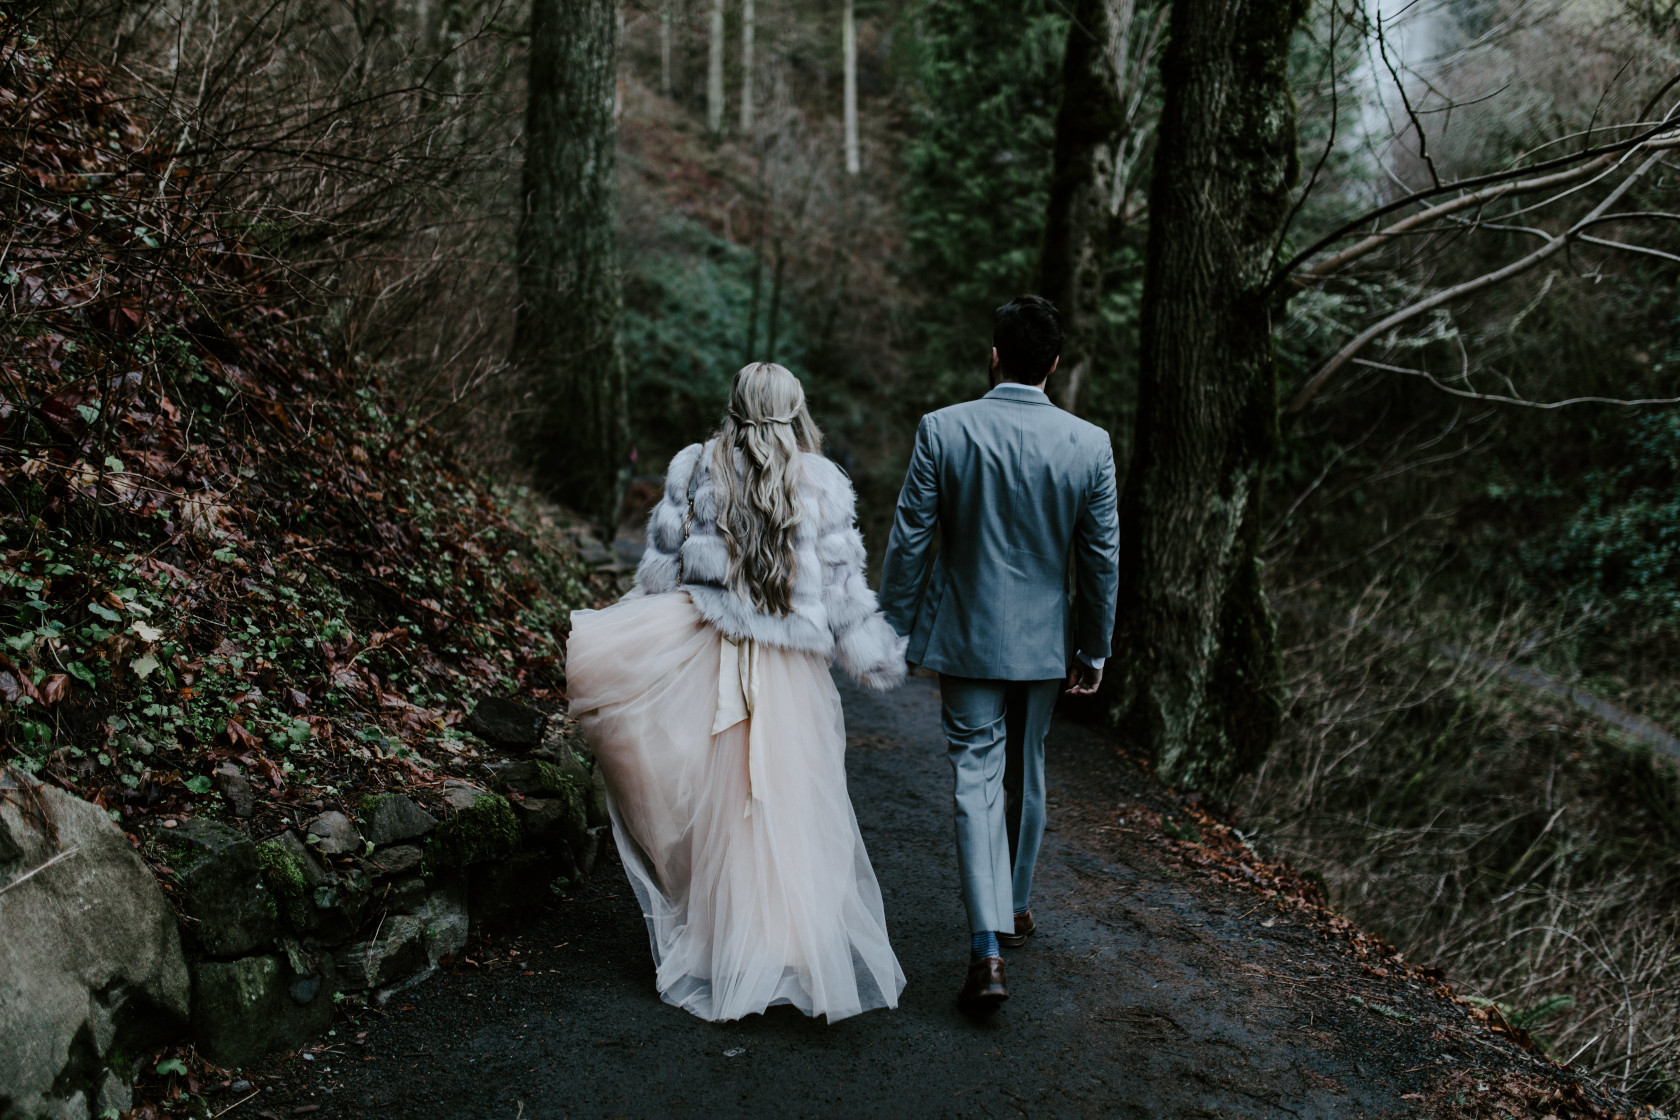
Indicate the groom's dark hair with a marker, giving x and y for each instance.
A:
(1027, 334)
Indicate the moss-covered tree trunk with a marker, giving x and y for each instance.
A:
(566, 338)
(1090, 127)
(1196, 673)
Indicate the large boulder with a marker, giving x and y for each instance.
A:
(243, 1009)
(91, 971)
(227, 897)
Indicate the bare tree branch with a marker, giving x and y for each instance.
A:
(1457, 291)
(1644, 250)
(1667, 124)
(1464, 202)
(1324, 156)
(1500, 398)
(1406, 103)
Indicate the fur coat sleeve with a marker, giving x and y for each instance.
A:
(864, 644)
(834, 615)
(657, 571)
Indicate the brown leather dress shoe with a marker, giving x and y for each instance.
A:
(1024, 927)
(984, 988)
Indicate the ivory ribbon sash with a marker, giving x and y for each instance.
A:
(737, 698)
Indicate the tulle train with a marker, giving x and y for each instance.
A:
(750, 870)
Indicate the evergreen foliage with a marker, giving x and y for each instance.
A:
(687, 302)
(987, 77)
(1622, 545)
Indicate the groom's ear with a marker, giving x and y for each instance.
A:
(1054, 362)
(995, 360)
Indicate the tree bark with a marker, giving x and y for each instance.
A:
(665, 47)
(848, 43)
(1198, 674)
(748, 27)
(714, 73)
(751, 354)
(1091, 126)
(566, 334)
(775, 303)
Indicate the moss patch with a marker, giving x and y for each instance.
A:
(283, 873)
(556, 781)
(485, 830)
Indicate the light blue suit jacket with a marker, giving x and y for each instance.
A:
(1018, 488)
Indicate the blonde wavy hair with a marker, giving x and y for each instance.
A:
(758, 507)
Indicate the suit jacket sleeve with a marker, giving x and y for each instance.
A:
(1096, 553)
(909, 547)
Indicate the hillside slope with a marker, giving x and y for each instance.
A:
(222, 541)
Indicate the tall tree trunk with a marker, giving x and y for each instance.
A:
(775, 303)
(848, 41)
(714, 73)
(748, 26)
(441, 24)
(665, 47)
(1198, 674)
(757, 288)
(1091, 124)
(566, 336)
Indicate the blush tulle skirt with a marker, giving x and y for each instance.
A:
(740, 843)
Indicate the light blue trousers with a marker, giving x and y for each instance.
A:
(994, 731)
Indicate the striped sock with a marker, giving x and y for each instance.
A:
(982, 945)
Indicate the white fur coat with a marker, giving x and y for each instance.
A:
(834, 613)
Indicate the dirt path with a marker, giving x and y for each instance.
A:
(1151, 991)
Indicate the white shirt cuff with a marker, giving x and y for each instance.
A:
(1093, 662)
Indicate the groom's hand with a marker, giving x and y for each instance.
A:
(1082, 680)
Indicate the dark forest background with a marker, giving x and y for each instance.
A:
(1456, 530)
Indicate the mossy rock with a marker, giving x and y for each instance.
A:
(390, 818)
(483, 830)
(284, 874)
(227, 900)
(246, 1008)
(556, 782)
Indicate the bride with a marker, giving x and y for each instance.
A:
(706, 696)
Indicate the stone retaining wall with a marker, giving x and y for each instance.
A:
(364, 898)
(354, 903)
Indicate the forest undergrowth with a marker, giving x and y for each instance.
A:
(1494, 830)
(225, 542)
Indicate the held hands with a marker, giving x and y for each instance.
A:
(1082, 680)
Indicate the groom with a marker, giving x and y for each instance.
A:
(1017, 489)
